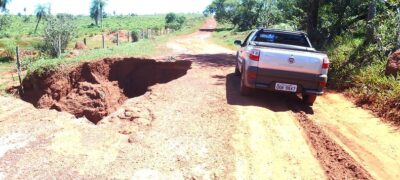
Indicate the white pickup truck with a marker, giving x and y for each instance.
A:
(280, 60)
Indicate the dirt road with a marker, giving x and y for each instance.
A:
(197, 126)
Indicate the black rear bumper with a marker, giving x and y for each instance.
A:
(306, 83)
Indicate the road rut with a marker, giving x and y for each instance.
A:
(196, 127)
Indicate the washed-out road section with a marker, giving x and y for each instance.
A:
(193, 124)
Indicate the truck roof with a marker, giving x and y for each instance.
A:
(283, 31)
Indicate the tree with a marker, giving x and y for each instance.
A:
(398, 28)
(41, 13)
(224, 10)
(96, 11)
(57, 34)
(395, 4)
(3, 4)
(174, 21)
(370, 34)
(313, 17)
(269, 13)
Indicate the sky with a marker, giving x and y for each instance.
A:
(140, 7)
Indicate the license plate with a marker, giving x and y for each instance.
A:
(286, 87)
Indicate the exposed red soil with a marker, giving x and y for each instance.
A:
(393, 65)
(80, 45)
(337, 163)
(194, 127)
(94, 90)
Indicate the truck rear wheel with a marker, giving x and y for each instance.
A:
(244, 90)
(237, 72)
(309, 99)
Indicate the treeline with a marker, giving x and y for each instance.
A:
(323, 20)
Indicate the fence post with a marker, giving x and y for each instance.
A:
(59, 46)
(129, 35)
(19, 70)
(149, 33)
(117, 39)
(103, 43)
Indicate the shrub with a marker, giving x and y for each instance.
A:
(5, 21)
(58, 31)
(283, 26)
(174, 21)
(135, 35)
(10, 51)
(170, 18)
(27, 62)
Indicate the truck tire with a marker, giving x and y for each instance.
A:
(244, 90)
(309, 99)
(237, 72)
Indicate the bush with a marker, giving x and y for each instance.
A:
(358, 67)
(5, 21)
(174, 21)
(58, 31)
(283, 26)
(10, 51)
(135, 35)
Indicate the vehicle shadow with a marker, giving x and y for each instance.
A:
(210, 60)
(274, 101)
(215, 29)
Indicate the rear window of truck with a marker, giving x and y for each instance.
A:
(282, 38)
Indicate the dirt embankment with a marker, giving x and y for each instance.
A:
(96, 89)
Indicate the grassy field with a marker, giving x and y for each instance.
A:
(21, 29)
(225, 35)
(143, 48)
(146, 47)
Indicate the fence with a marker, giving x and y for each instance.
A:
(130, 36)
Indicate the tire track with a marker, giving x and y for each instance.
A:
(337, 163)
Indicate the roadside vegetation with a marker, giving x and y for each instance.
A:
(360, 37)
(144, 47)
(48, 41)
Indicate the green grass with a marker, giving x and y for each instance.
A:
(225, 35)
(146, 47)
(6, 66)
(141, 48)
(22, 33)
(358, 70)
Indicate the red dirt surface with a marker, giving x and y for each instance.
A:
(197, 126)
(337, 163)
(393, 65)
(96, 89)
(80, 45)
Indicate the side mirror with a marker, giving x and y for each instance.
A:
(238, 42)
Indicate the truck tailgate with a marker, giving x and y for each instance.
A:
(291, 60)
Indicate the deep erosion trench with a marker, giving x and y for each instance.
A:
(96, 89)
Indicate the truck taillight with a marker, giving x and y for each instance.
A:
(254, 55)
(322, 84)
(325, 64)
